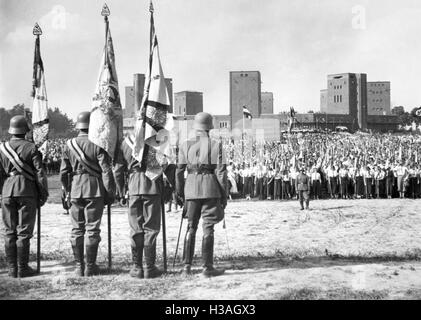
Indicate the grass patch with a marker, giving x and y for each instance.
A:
(336, 294)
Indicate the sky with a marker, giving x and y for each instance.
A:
(294, 44)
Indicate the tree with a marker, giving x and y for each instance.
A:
(60, 124)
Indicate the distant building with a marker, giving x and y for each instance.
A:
(398, 110)
(129, 110)
(245, 90)
(188, 103)
(323, 100)
(267, 102)
(378, 97)
(346, 94)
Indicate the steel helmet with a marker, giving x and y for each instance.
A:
(18, 125)
(203, 121)
(83, 120)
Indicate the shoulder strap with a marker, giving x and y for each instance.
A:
(129, 142)
(92, 168)
(17, 163)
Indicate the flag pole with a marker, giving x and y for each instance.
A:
(37, 32)
(105, 13)
(242, 136)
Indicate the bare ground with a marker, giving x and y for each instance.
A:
(343, 249)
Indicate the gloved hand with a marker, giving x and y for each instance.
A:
(180, 200)
(224, 203)
(109, 199)
(123, 201)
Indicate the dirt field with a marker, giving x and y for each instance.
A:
(344, 249)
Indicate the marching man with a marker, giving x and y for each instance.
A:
(302, 185)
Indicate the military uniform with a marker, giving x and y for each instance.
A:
(302, 185)
(145, 206)
(22, 192)
(92, 187)
(204, 190)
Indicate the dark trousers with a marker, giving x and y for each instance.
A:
(315, 188)
(368, 187)
(247, 186)
(389, 186)
(303, 196)
(333, 186)
(19, 215)
(359, 186)
(277, 189)
(286, 189)
(293, 191)
(144, 218)
(210, 210)
(86, 215)
(344, 187)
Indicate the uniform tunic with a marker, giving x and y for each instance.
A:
(19, 194)
(205, 188)
(88, 192)
(145, 202)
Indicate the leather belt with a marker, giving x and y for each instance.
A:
(80, 172)
(136, 169)
(14, 174)
(200, 171)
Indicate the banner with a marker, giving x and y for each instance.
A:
(153, 122)
(106, 122)
(40, 119)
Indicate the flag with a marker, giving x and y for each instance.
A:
(247, 113)
(40, 119)
(151, 147)
(292, 112)
(106, 122)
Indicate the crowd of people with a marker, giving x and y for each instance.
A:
(339, 166)
(52, 152)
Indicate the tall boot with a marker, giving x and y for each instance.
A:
(150, 257)
(79, 260)
(188, 252)
(11, 258)
(137, 257)
(307, 204)
(91, 268)
(23, 258)
(207, 257)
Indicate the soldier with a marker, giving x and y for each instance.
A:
(204, 191)
(145, 205)
(91, 188)
(302, 185)
(24, 184)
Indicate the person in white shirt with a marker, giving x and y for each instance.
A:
(332, 176)
(315, 180)
(293, 173)
(286, 185)
(343, 182)
(401, 173)
(379, 176)
(368, 182)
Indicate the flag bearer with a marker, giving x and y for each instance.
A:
(91, 189)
